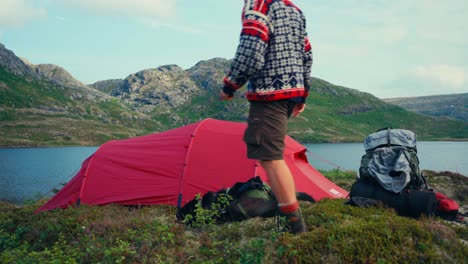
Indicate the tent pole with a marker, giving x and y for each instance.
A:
(186, 163)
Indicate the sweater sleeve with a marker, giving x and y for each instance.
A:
(308, 60)
(250, 55)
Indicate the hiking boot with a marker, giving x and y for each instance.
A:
(294, 222)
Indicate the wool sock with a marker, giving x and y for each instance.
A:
(294, 222)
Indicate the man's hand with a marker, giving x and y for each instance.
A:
(298, 109)
(225, 96)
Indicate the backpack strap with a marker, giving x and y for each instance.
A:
(388, 138)
(241, 208)
(420, 179)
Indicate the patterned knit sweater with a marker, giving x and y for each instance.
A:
(274, 53)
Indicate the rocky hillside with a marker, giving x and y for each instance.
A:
(108, 86)
(45, 105)
(12, 64)
(164, 87)
(453, 106)
(48, 75)
(335, 114)
(208, 74)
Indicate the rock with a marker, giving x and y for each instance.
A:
(15, 65)
(165, 86)
(209, 74)
(57, 75)
(108, 86)
(51, 74)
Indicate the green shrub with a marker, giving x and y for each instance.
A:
(205, 218)
(338, 233)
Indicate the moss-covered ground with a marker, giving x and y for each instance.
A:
(338, 233)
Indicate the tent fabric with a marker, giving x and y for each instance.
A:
(172, 167)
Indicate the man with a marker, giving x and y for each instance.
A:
(274, 55)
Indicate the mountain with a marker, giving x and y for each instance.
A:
(340, 114)
(453, 106)
(15, 65)
(45, 105)
(108, 86)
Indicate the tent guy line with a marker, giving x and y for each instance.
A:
(327, 161)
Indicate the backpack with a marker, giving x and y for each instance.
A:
(389, 173)
(412, 203)
(391, 160)
(246, 200)
(447, 208)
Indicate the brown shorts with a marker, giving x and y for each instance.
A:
(266, 130)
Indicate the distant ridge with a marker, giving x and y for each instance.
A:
(44, 105)
(453, 106)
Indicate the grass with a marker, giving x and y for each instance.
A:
(338, 233)
(333, 114)
(33, 113)
(34, 129)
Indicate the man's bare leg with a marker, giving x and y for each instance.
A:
(282, 185)
(281, 180)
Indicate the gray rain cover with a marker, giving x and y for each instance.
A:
(391, 168)
(399, 137)
(390, 165)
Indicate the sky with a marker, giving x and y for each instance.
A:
(391, 48)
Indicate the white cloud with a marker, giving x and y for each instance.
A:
(448, 76)
(441, 20)
(381, 35)
(14, 13)
(430, 79)
(179, 28)
(388, 22)
(133, 8)
(385, 38)
(152, 13)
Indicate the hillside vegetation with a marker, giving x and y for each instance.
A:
(338, 233)
(43, 105)
(453, 106)
(39, 113)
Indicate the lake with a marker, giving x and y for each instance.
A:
(433, 155)
(33, 172)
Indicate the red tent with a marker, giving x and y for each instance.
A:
(172, 167)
